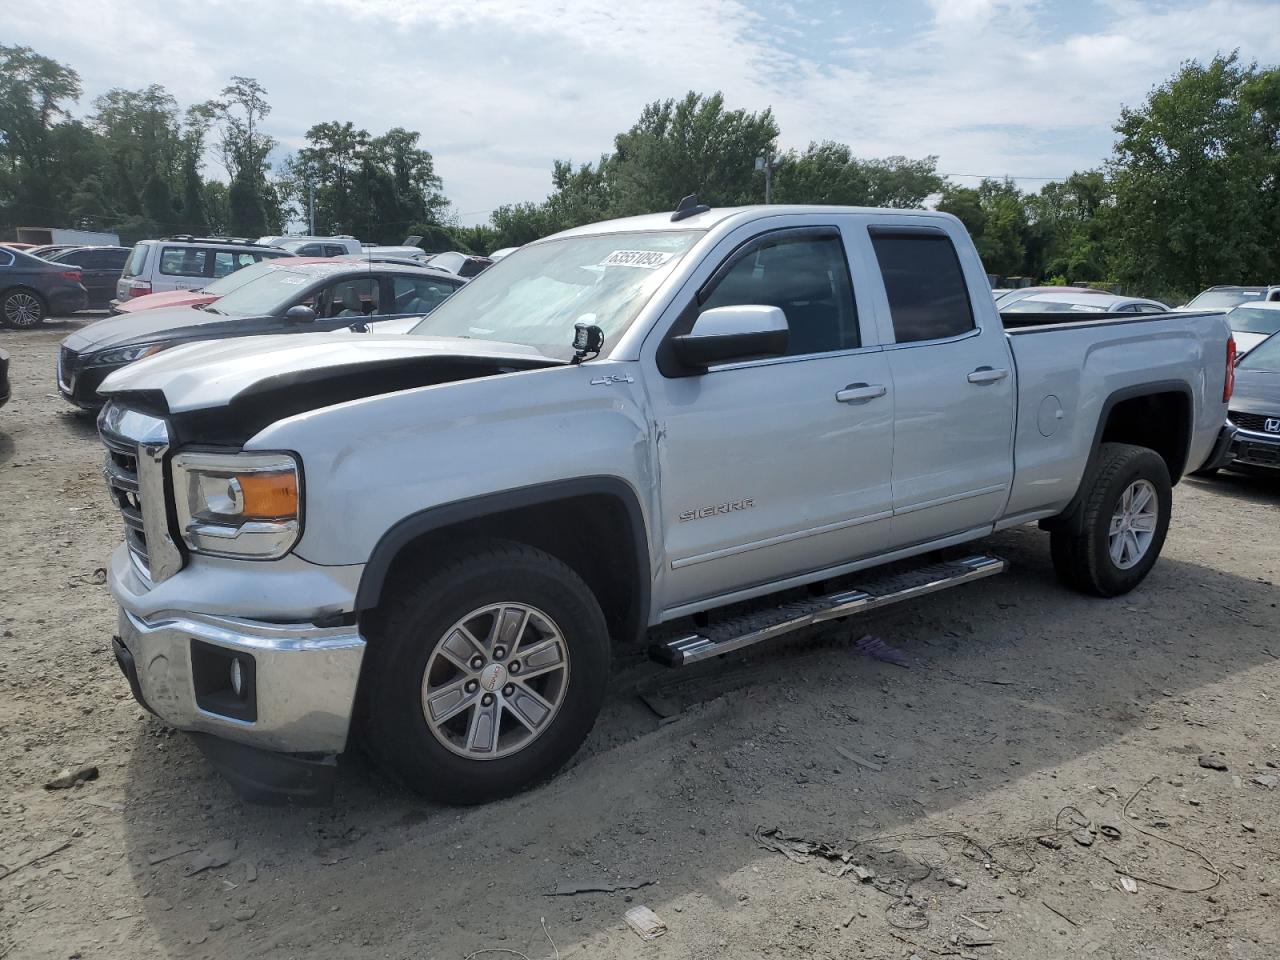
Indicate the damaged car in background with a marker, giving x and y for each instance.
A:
(289, 296)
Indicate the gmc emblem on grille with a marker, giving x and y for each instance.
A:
(1272, 425)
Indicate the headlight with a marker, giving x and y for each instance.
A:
(125, 354)
(238, 504)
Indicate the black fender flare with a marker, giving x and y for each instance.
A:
(405, 531)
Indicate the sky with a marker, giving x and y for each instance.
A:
(500, 88)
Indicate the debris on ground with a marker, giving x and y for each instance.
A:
(1210, 762)
(1129, 884)
(860, 761)
(875, 648)
(647, 924)
(217, 854)
(573, 889)
(169, 853)
(1083, 837)
(73, 776)
(1268, 781)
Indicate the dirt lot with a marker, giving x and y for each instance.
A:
(1025, 711)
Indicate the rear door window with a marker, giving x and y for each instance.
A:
(353, 298)
(310, 250)
(928, 298)
(186, 262)
(334, 250)
(6, 258)
(420, 294)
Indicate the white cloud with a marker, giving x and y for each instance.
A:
(499, 88)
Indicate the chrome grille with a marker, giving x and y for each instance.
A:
(1251, 421)
(121, 472)
(134, 470)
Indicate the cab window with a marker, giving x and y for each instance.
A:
(808, 279)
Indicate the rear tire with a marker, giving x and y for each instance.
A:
(454, 708)
(1109, 544)
(22, 309)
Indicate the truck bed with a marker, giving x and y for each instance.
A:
(1070, 373)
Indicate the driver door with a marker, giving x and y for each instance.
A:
(779, 466)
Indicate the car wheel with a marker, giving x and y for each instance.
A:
(22, 309)
(1114, 537)
(486, 676)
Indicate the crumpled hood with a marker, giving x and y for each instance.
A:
(210, 374)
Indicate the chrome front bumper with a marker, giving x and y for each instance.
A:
(304, 677)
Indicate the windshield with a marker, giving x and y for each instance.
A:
(1225, 298)
(266, 294)
(1265, 357)
(1031, 305)
(1254, 320)
(536, 295)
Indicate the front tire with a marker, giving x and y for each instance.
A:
(1112, 540)
(486, 676)
(22, 309)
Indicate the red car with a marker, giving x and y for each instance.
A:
(207, 294)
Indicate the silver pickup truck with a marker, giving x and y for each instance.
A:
(618, 433)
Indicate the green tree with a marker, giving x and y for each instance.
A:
(828, 172)
(35, 93)
(995, 215)
(1194, 172)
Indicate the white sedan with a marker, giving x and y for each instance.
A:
(1251, 323)
(1070, 300)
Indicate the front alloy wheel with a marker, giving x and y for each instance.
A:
(484, 674)
(495, 681)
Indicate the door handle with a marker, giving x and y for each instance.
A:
(987, 375)
(860, 392)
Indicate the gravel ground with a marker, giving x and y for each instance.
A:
(1025, 712)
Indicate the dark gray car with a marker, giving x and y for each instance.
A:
(293, 298)
(100, 268)
(1255, 407)
(32, 289)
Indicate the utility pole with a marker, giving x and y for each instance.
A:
(311, 209)
(765, 163)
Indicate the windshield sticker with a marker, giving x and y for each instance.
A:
(646, 259)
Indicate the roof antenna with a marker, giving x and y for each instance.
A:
(689, 207)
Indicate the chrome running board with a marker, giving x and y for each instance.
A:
(742, 631)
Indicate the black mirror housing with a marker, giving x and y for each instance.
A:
(300, 313)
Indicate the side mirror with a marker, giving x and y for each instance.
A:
(300, 313)
(725, 334)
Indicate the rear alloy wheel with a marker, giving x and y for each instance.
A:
(1110, 542)
(22, 309)
(485, 675)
